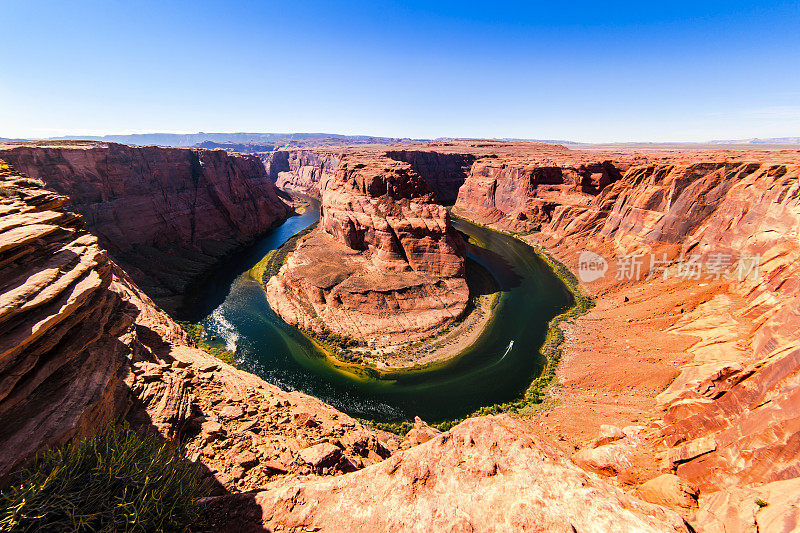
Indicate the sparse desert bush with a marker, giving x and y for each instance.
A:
(116, 480)
(28, 182)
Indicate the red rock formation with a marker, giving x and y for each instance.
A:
(523, 196)
(61, 361)
(167, 215)
(444, 173)
(385, 262)
(80, 345)
(486, 474)
(301, 170)
(730, 416)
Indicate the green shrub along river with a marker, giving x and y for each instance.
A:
(505, 369)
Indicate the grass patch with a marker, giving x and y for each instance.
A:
(28, 182)
(116, 480)
(398, 428)
(271, 263)
(196, 332)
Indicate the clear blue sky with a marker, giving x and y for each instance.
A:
(587, 71)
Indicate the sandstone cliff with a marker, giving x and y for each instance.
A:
(444, 173)
(384, 264)
(166, 215)
(80, 345)
(523, 196)
(728, 419)
(301, 170)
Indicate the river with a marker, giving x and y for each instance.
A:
(234, 309)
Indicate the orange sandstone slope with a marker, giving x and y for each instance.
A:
(728, 418)
(167, 215)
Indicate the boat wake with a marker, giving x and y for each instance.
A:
(510, 345)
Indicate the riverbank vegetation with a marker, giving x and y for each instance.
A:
(271, 263)
(197, 333)
(116, 480)
(551, 350)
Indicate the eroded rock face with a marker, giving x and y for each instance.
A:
(301, 170)
(166, 215)
(727, 414)
(61, 360)
(385, 261)
(444, 173)
(486, 474)
(81, 344)
(729, 417)
(523, 196)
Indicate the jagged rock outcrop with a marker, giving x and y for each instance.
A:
(385, 262)
(166, 215)
(523, 196)
(486, 474)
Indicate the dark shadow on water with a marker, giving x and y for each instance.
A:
(502, 270)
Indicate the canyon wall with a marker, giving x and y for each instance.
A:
(523, 196)
(444, 173)
(81, 345)
(730, 416)
(167, 215)
(385, 262)
(301, 170)
(728, 420)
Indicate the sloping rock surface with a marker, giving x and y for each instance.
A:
(486, 474)
(81, 344)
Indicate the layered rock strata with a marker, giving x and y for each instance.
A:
(81, 345)
(167, 215)
(523, 197)
(384, 263)
(301, 170)
(728, 418)
(444, 173)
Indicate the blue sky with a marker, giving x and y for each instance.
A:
(586, 71)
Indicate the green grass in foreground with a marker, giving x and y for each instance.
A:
(116, 480)
(195, 332)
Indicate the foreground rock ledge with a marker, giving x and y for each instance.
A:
(486, 474)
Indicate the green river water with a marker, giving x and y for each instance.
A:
(234, 310)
